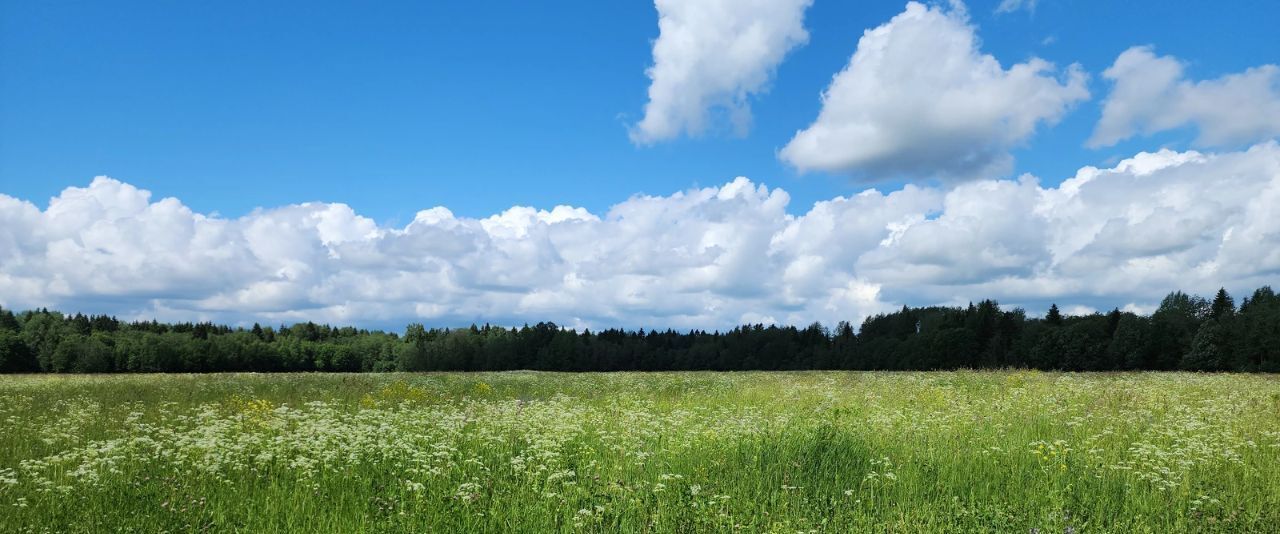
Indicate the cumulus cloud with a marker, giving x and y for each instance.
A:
(919, 99)
(710, 57)
(1151, 94)
(703, 258)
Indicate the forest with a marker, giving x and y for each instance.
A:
(1185, 332)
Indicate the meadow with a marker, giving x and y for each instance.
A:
(960, 451)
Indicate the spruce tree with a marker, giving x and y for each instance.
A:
(1054, 317)
(1223, 307)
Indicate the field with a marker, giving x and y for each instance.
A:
(667, 452)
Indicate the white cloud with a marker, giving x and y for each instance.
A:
(1009, 6)
(1151, 94)
(705, 258)
(919, 98)
(710, 57)
(1154, 222)
(1079, 309)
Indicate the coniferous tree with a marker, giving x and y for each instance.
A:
(1223, 307)
(1054, 317)
(1256, 332)
(1186, 332)
(8, 321)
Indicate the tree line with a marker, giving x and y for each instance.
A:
(1186, 332)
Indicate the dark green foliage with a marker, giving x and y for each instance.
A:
(1130, 346)
(1223, 307)
(1080, 345)
(8, 321)
(1186, 332)
(1054, 317)
(15, 357)
(1173, 325)
(1255, 333)
(1209, 350)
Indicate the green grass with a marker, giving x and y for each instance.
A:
(631, 452)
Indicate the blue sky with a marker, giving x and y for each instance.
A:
(397, 106)
(242, 111)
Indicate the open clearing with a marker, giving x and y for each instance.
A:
(633, 452)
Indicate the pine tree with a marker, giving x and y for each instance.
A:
(1223, 307)
(1054, 317)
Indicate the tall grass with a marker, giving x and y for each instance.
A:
(667, 452)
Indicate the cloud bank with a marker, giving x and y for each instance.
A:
(919, 99)
(704, 258)
(1151, 94)
(710, 57)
